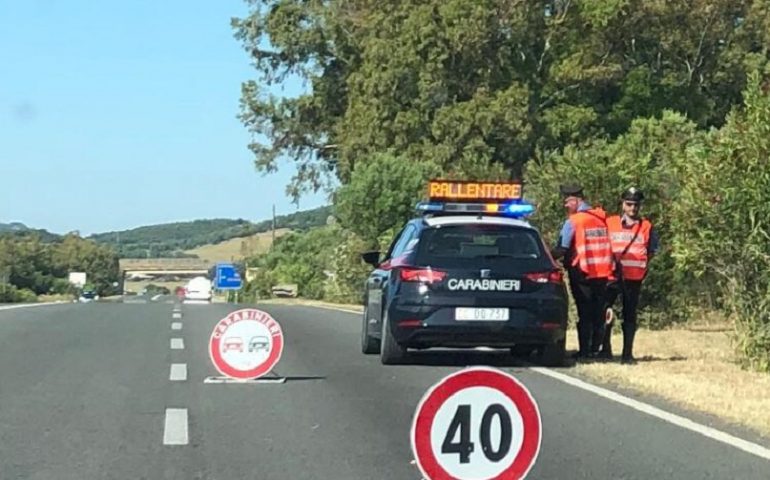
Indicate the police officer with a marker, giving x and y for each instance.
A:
(584, 244)
(634, 242)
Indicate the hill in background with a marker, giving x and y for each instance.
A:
(237, 249)
(180, 239)
(19, 229)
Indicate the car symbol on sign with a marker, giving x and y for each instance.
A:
(259, 343)
(233, 343)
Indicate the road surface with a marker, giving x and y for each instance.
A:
(85, 393)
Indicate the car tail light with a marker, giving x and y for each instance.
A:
(553, 276)
(410, 323)
(424, 275)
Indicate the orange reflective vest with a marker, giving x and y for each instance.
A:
(592, 249)
(629, 246)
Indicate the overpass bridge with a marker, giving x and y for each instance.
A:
(155, 267)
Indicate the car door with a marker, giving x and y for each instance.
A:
(378, 280)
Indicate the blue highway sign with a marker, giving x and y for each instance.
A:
(227, 277)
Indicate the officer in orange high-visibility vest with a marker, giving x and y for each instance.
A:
(634, 242)
(585, 246)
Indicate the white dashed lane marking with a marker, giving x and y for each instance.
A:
(175, 427)
(178, 372)
(176, 325)
(177, 344)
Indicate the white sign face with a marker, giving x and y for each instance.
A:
(77, 278)
(461, 415)
(246, 344)
(476, 424)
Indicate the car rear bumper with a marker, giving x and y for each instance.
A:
(421, 327)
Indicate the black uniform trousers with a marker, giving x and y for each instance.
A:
(589, 296)
(629, 293)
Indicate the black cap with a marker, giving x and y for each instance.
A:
(571, 190)
(633, 194)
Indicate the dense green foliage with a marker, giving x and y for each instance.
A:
(30, 267)
(299, 258)
(609, 93)
(172, 239)
(461, 83)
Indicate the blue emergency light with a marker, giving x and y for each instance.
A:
(518, 209)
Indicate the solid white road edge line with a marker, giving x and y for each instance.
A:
(674, 419)
(679, 421)
(176, 325)
(177, 344)
(175, 427)
(30, 305)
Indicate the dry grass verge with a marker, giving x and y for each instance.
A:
(694, 368)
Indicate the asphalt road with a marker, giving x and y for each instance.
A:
(84, 391)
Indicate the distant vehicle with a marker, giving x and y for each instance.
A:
(286, 290)
(199, 288)
(88, 296)
(259, 343)
(232, 343)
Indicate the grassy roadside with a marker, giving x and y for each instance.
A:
(693, 367)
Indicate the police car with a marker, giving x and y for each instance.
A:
(468, 271)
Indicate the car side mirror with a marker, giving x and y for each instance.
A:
(372, 258)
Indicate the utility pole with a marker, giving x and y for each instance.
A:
(273, 242)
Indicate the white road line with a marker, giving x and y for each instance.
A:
(176, 315)
(178, 372)
(29, 305)
(177, 344)
(156, 297)
(176, 325)
(175, 427)
(677, 420)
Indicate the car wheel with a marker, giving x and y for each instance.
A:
(552, 354)
(369, 344)
(391, 353)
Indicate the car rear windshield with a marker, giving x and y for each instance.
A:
(474, 246)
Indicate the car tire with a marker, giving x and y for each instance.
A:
(369, 344)
(391, 353)
(553, 354)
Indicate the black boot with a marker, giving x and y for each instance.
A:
(629, 332)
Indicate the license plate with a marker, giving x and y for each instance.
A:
(481, 314)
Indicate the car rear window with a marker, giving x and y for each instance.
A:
(474, 246)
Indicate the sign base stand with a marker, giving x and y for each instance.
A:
(273, 379)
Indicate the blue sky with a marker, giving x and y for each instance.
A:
(120, 114)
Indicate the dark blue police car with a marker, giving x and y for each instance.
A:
(466, 274)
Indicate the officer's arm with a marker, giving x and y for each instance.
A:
(565, 240)
(654, 246)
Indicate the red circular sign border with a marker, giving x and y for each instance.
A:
(476, 377)
(222, 367)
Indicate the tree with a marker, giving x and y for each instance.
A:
(493, 81)
(726, 187)
(381, 195)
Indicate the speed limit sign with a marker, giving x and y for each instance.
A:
(476, 424)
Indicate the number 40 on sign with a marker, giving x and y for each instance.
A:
(478, 423)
